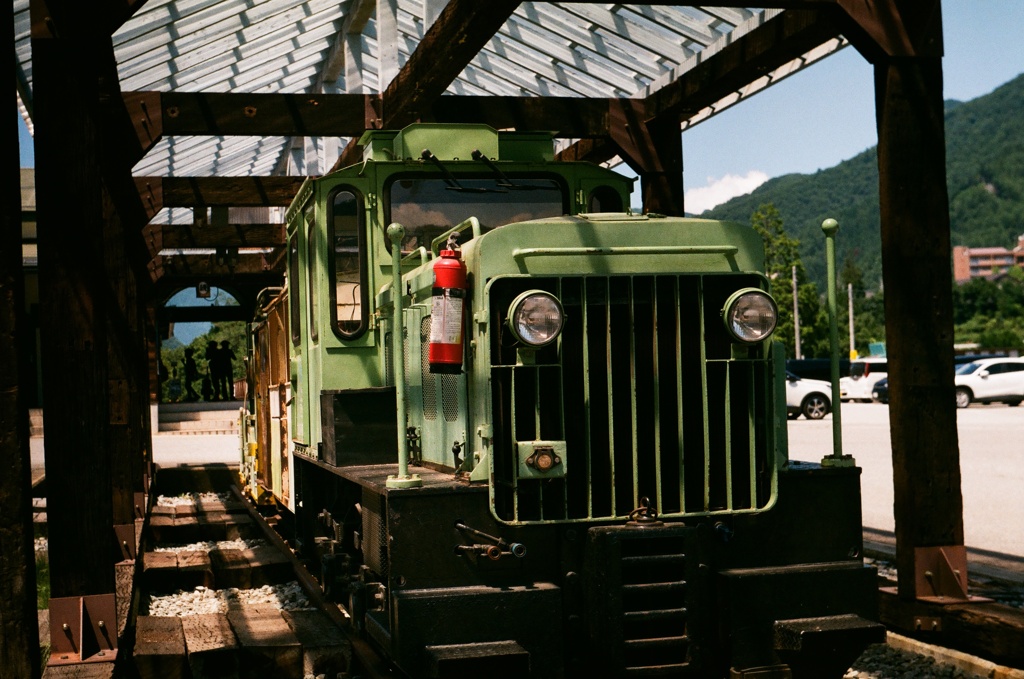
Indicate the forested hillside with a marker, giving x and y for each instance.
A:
(985, 176)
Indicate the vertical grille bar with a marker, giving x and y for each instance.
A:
(677, 296)
(633, 394)
(584, 306)
(751, 433)
(727, 409)
(515, 437)
(656, 394)
(704, 398)
(610, 412)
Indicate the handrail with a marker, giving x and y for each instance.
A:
(629, 250)
(421, 251)
(458, 228)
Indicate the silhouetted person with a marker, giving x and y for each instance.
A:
(220, 370)
(212, 371)
(191, 373)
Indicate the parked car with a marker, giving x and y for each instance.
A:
(990, 380)
(864, 373)
(880, 392)
(809, 398)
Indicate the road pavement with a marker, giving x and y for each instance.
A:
(991, 467)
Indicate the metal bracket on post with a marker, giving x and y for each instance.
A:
(140, 502)
(941, 574)
(126, 540)
(83, 630)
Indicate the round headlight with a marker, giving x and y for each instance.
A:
(750, 315)
(535, 318)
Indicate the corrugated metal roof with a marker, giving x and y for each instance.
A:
(282, 46)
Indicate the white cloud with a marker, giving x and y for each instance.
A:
(717, 191)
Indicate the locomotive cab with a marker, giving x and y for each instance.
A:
(598, 480)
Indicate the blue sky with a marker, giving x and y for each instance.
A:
(825, 114)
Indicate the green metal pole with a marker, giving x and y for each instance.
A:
(396, 232)
(836, 459)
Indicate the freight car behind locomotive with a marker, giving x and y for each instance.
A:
(524, 432)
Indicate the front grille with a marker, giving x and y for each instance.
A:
(649, 394)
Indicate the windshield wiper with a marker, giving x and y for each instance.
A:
(503, 181)
(449, 178)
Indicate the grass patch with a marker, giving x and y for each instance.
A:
(42, 582)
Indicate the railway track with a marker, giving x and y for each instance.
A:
(222, 595)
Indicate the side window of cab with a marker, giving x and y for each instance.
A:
(347, 261)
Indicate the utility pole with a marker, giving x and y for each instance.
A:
(849, 297)
(796, 315)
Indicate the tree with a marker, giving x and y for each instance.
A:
(782, 253)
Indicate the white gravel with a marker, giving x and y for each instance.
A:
(287, 597)
(186, 499)
(209, 545)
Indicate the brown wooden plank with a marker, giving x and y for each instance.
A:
(160, 648)
(159, 236)
(265, 638)
(160, 192)
(325, 648)
(211, 645)
(258, 114)
(230, 569)
(989, 630)
(195, 569)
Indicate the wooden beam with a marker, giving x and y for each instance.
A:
(198, 268)
(160, 236)
(889, 28)
(573, 117)
(653, 149)
(777, 42)
(451, 42)
(457, 36)
(160, 192)
(207, 314)
(253, 114)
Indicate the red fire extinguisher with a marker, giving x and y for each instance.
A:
(446, 327)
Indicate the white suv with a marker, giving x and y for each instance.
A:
(864, 374)
(989, 380)
(809, 398)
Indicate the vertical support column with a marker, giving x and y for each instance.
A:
(77, 304)
(19, 637)
(919, 312)
(654, 150)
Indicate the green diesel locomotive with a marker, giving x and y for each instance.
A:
(523, 432)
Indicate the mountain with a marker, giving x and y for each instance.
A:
(984, 174)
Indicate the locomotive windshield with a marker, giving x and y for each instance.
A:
(428, 206)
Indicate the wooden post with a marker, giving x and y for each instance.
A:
(74, 300)
(19, 631)
(919, 316)
(654, 150)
